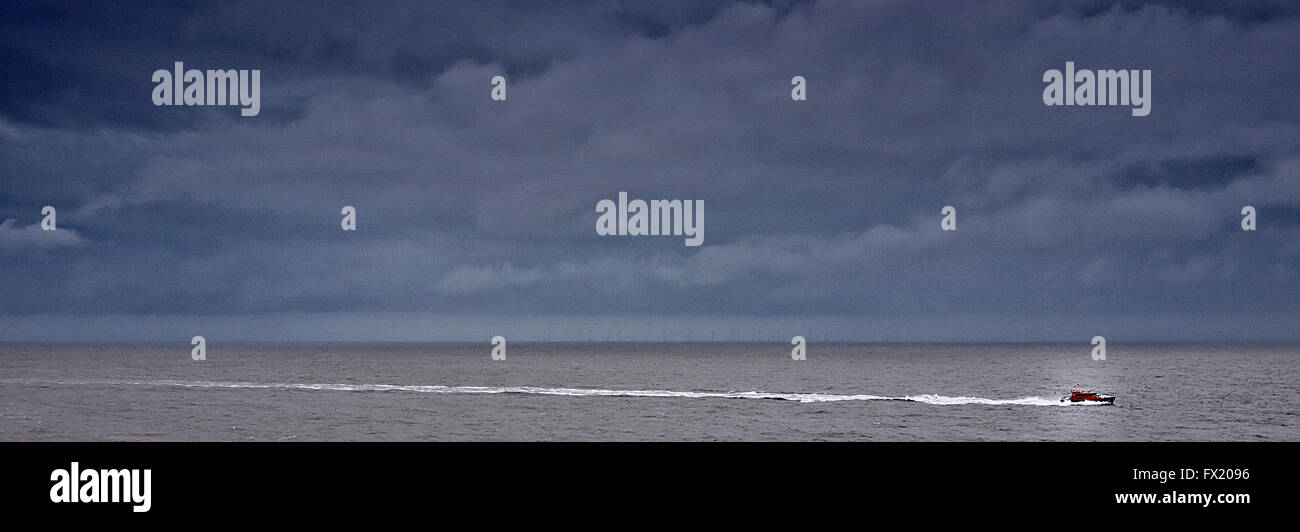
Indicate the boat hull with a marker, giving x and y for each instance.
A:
(1108, 399)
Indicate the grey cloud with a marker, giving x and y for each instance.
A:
(824, 207)
(14, 237)
(471, 279)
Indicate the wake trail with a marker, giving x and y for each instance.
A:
(931, 399)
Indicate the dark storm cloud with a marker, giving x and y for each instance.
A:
(828, 207)
(63, 61)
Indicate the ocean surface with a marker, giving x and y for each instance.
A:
(646, 391)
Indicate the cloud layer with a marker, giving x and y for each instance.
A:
(827, 207)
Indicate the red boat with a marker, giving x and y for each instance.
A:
(1079, 396)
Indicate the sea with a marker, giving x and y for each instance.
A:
(646, 392)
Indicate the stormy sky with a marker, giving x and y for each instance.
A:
(477, 218)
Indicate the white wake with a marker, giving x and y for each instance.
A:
(574, 392)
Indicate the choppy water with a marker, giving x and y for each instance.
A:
(700, 391)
